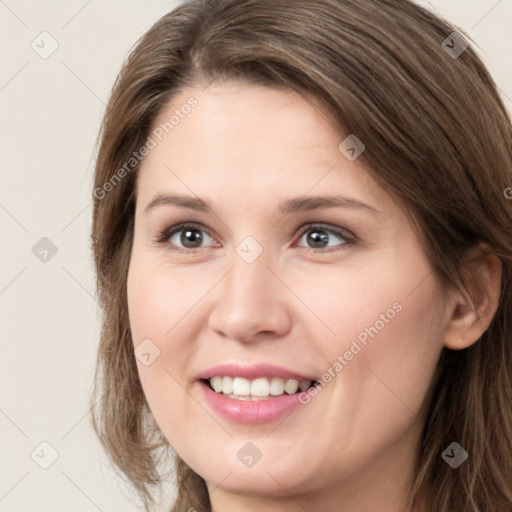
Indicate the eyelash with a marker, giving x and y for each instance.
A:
(163, 236)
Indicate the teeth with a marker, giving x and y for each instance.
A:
(276, 386)
(241, 387)
(259, 388)
(291, 386)
(227, 385)
(216, 383)
(304, 384)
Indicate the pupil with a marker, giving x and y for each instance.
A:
(191, 236)
(318, 236)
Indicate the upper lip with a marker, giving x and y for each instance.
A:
(251, 372)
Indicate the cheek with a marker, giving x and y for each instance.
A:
(367, 302)
(157, 302)
(161, 321)
(383, 340)
(383, 356)
(390, 343)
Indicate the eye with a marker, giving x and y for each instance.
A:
(183, 237)
(189, 236)
(318, 236)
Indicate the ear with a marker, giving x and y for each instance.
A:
(472, 310)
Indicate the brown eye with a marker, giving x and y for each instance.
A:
(190, 238)
(184, 237)
(318, 237)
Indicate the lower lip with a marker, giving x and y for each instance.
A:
(245, 411)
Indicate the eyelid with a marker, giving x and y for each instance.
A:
(163, 236)
(347, 236)
(339, 231)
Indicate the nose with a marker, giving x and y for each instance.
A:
(251, 302)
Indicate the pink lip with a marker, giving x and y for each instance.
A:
(243, 411)
(252, 372)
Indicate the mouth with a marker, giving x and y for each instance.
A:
(261, 388)
(257, 393)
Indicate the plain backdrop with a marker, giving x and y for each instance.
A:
(50, 112)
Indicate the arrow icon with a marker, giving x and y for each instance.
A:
(455, 45)
(249, 455)
(146, 352)
(249, 249)
(44, 250)
(44, 455)
(44, 44)
(351, 147)
(454, 455)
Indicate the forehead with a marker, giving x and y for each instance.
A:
(243, 139)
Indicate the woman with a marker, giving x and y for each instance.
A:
(302, 240)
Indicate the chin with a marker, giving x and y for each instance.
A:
(260, 480)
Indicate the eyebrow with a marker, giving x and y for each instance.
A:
(293, 205)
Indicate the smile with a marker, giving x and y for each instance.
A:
(240, 388)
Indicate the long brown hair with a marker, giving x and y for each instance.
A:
(438, 139)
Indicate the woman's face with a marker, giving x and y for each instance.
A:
(301, 269)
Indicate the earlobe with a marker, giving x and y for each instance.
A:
(474, 308)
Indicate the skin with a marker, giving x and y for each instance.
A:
(245, 148)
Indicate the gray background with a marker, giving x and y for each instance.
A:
(50, 112)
